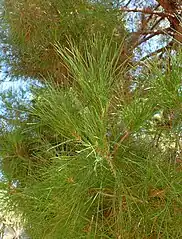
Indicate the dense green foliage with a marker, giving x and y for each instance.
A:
(86, 162)
(96, 152)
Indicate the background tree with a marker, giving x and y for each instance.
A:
(35, 26)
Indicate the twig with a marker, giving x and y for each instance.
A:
(147, 11)
(158, 51)
(111, 156)
(151, 15)
(116, 146)
(152, 34)
(155, 32)
(128, 3)
(157, 22)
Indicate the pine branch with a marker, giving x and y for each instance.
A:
(173, 9)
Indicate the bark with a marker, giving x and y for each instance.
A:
(172, 11)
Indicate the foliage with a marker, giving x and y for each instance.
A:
(90, 161)
(97, 152)
(32, 28)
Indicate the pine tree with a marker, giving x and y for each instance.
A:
(35, 27)
(88, 159)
